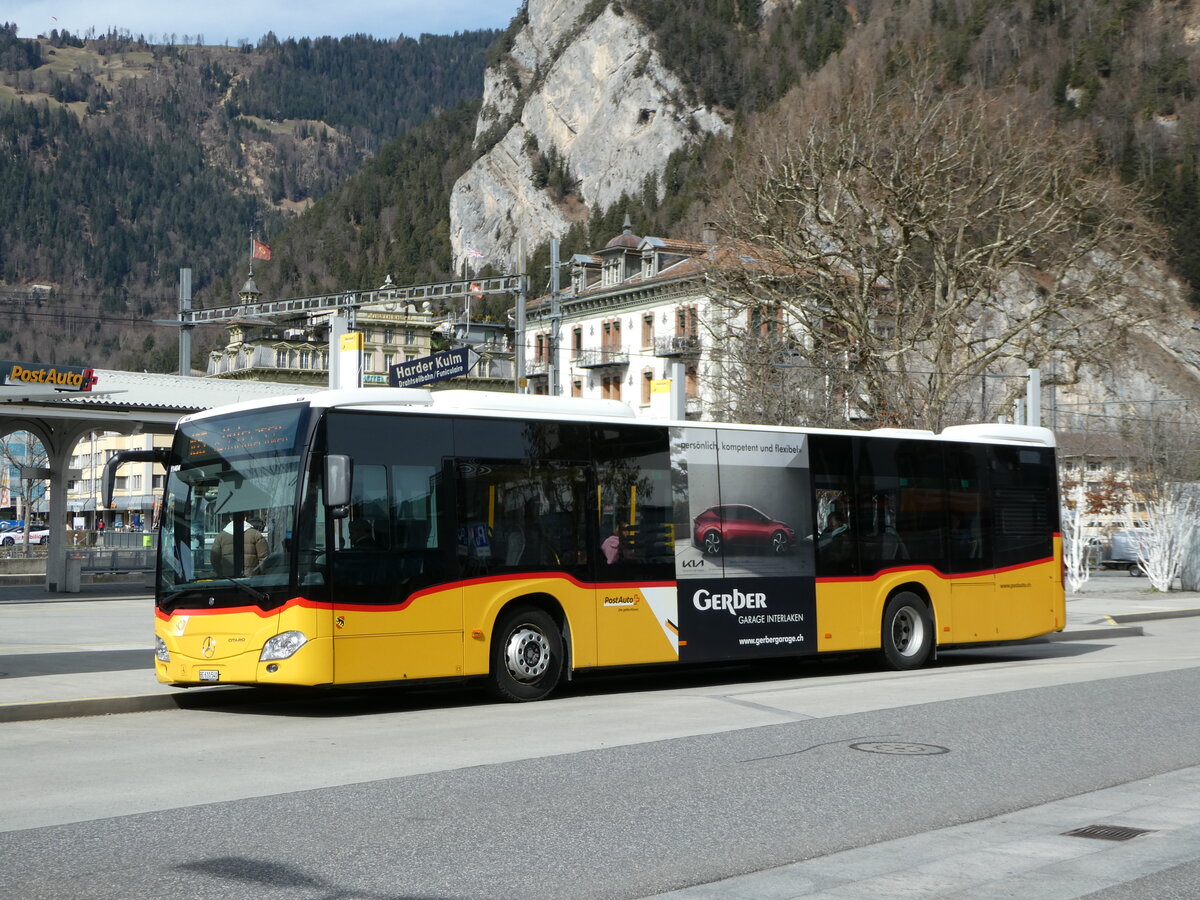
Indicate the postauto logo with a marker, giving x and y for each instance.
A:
(734, 603)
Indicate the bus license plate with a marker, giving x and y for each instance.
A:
(210, 675)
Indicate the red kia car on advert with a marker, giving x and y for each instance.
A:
(738, 525)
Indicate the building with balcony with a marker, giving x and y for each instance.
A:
(630, 312)
(297, 350)
(137, 489)
(1106, 475)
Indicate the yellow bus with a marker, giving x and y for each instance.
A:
(387, 536)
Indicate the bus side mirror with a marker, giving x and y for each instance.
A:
(160, 455)
(337, 484)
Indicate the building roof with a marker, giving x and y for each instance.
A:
(131, 391)
(1100, 445)
(626, 239)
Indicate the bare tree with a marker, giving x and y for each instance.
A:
(1166, 497)
(1169, 520)
(1075, 547)
(31, 455)
(918, 237)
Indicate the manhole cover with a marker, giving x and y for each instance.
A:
(1107, 832)
(899, 748)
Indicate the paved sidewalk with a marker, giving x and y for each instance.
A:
(81, 654)
(1036, 853)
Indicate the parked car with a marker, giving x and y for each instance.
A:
(17, 536)
(739, 525)
(1124, 552)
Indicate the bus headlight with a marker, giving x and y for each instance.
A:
(283, 645)
(160, 650)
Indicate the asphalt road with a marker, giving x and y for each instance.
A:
(622, 787)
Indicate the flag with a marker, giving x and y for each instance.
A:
(259, 250)
(473, 253)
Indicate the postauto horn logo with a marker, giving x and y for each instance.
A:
(63, 378)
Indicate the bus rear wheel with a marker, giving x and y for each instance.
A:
(527, 655)
(907, 632)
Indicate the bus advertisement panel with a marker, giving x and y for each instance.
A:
(744, 550)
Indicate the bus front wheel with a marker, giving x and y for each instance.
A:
(527, 655)
(907, 632)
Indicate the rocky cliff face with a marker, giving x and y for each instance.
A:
(594, 93)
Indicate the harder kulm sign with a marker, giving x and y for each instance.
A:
(61, 378)
(428, 369)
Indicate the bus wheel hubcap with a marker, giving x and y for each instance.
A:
(527, 654)
(908, 632)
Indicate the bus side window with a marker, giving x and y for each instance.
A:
(521, 490)
(367, 527)
(968, 501)
(1023, 488)
(901, 504)
(636, 532)
(835, 532)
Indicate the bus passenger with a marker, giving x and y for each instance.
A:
(613, 544)
(254, 548)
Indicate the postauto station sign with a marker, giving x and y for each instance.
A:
(61, 378)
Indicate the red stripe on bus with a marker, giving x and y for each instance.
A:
(424, 592)
(957, 576)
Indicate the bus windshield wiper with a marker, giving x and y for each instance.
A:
(260, 596)
(167, 598)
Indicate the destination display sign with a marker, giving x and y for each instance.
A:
(428, 369)
(235, 436)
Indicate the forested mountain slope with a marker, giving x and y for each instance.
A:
(124, 161)
(1123, 73)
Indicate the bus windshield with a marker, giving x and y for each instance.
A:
(229, 508)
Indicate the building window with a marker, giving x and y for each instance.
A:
(610, 387)
(764, 320)
(610, 337)
(649, 267)
(576, 387)
(577, 339)
(647, 379)
(648, 330)
(410, 337)
(687, 323)
(305, 359)
(611, 273)
(389, 360)
(691, 383)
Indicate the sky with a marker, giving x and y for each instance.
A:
(228, 21)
